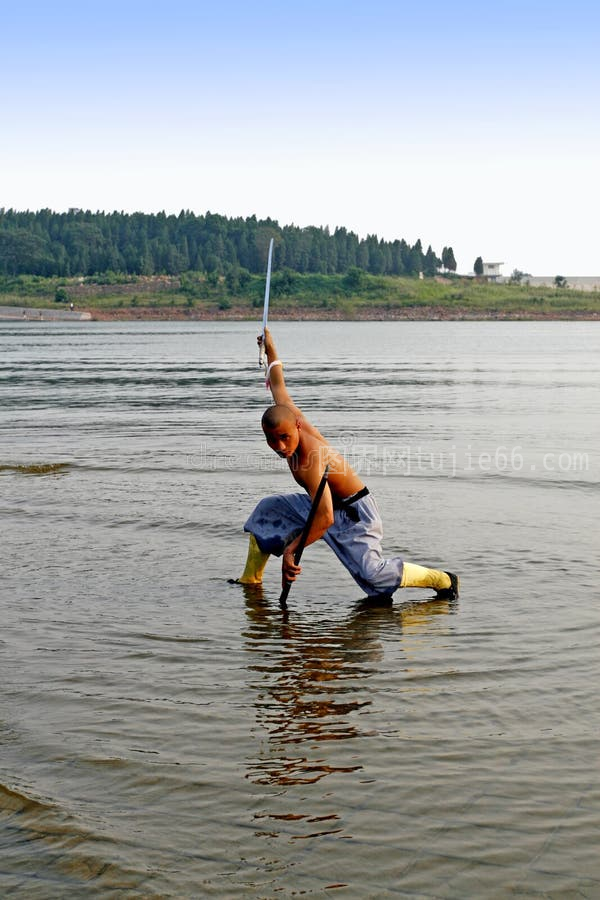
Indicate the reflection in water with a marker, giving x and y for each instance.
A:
(311, 680)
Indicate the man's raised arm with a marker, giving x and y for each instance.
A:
(275, 375)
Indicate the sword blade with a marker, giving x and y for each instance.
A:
(261, 353)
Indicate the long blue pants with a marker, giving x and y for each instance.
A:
(276, 520)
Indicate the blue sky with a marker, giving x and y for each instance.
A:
(462, 124)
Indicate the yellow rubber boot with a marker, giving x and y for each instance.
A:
(419, 576)
(255, 564)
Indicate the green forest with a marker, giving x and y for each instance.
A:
(84, 243)
(209, 265)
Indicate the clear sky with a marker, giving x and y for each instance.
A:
(469, 124)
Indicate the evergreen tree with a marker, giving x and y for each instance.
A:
(397, 265)
(448, 261)
(430, 263)
(478, 267)
(376, 261)
(362, 256)
(417, 262)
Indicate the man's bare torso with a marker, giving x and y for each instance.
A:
(315, 452)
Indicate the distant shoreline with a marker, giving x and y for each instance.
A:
(356, 296)
(420, 313)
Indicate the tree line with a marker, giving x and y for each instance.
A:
(85, 243)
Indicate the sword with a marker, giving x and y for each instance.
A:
(262, 356)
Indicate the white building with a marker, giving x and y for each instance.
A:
(492, 270)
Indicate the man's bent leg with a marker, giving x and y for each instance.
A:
(255, 564)
(273, 523)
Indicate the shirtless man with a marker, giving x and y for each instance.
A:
(347, 517)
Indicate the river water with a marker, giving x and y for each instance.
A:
(166, 734)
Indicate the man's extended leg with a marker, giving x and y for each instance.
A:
(444, 583)
(355, 538)
(356, 541)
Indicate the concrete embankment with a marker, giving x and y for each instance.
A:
(31, 314)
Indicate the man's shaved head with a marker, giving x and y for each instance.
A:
(277, 415)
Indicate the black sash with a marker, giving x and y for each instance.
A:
(346, 503)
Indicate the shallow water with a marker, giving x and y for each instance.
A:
(165, 733)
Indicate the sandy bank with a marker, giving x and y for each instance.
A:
(366, 314)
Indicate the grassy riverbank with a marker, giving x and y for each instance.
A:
(353, 296)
